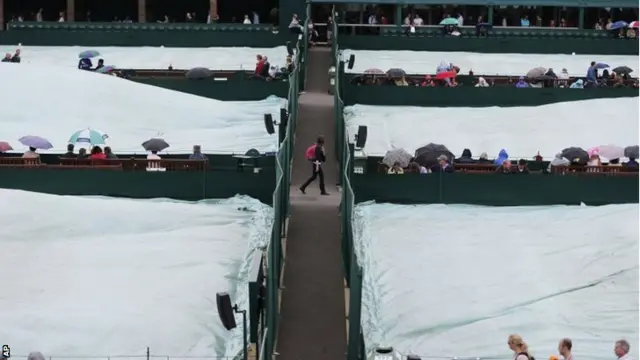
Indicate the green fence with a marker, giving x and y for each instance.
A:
(352, 271)
(281, 205)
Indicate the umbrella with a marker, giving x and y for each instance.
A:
(400, 156)
(618, 25)
(536, 72)
(601, 66)
(199, 73)
(36, 355)
(374, 71)
(576, 155)
(88, 136)
(428, 154)
(633, 24)
(449, 21)
(622, 70)
(446, 75)
(35, 142)
(88, 54)
(607, 151)
(631, 151)
(4, 146)
(106, 69)
(155, 144)
(396, 73)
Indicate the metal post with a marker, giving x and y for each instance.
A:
(245, 341)
(148, 353)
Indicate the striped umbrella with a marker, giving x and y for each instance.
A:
(106, 69)
(633, 24)
(88, 137)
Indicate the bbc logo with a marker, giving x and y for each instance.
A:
(6, 351)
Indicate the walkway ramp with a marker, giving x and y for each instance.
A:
(312, 324)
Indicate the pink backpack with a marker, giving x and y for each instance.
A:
(311, 152)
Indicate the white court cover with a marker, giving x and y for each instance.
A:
(107, 277)
(426, 62)
(443, 281)
(55, 102)
(216, 58)
(522, 131)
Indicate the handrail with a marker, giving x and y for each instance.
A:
(261, 353)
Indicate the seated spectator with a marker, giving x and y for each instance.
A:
(7, 57)
(594, 160)
(578, 84)
(632, 163)
(109, 154)
(443, 165)
(154, 164)
(502, 156)
(484, 159)
(264, 71)
(558, 161)
(85, 64)
(521, 83)
(82, 154)
(428, 82)
(466, 157)
(16, 57)
(482, 82)
(30, 154)
(396, 169)
(197, 154)
(522, 167)
(100, 64)
(614, 162)
(289, 64)
(70, 154)
(97, 154)
(505, 167)
(417, 168)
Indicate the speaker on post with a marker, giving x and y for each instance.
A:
(361, 137)
(352, 60)
(225, 310)
(414, 357)
(268, 124)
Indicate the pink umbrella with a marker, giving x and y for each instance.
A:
(633, 24)
(607, 151)
(4, 146)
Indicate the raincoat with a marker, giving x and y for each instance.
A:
(502, 156)
(579, 84)
(558, 161)
(521, 83)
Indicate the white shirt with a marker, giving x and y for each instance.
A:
(417, 21)
(154, 166)
(61, 19)
(372, 20)
(407, 21)
(246, 21)
(460, 20)
(256, 18)
(625, 357)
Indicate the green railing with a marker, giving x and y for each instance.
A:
(352, 271)
(281, 206)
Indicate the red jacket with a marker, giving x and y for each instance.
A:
(98, 156)
(259, 67)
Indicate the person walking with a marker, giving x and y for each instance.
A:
(315, 154)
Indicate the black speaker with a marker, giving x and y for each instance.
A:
(414, 357)
(289, 48)
(225, 310)
(352, 59)
(361, 138)
(284, 116)
(268, 124)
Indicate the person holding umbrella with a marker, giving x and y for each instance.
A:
(34, 142)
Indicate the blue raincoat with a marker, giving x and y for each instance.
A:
(502, 156)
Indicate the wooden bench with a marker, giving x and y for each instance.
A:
(19, 162)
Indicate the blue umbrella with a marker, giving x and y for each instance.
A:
(88, 136)
(88, 54)
(618, 25)
(601, 66)
(35, 142)
(105, 69)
